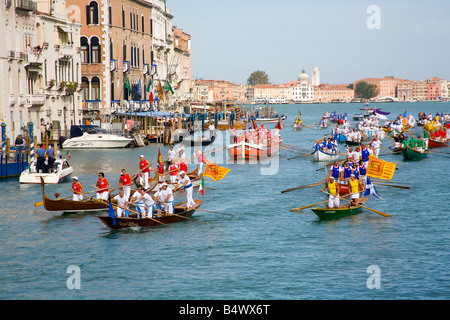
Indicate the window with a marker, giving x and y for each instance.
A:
(95, 88)
(95, 50)
(92, 13)
(85, 88)
(84, 50)
(123, 17)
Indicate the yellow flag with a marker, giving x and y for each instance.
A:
(381, 169)
(214, 171)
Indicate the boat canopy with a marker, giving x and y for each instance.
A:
(79, 130)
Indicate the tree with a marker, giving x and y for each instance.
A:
(366, 90)
(258, 77)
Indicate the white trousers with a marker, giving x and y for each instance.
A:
(333, 201)
(173, 179)
(145, 176)
(77, 197)
(190, 200)
(102, 196)
(127, 191)
(145, 210)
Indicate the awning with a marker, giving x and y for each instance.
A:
(64, 29)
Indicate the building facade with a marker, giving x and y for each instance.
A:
(40, 68)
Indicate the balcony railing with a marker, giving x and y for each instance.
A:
(27, 5)
(36, 99)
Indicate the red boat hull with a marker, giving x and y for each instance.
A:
(251, 152)
(436, 144)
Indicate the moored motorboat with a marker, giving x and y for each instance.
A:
(93, 137)
(61, 173)
(182, 213)
(342, 211)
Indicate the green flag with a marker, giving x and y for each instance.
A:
(149, 86)
(127, 85)
(168, 87)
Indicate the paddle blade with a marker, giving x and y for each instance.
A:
(38, 204)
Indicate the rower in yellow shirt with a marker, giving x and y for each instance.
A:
(354, 186)
(333, 190)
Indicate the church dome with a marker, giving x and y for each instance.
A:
(303, 76)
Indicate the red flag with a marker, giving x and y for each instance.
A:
(160, 162)
(150, 98)
(278, 126)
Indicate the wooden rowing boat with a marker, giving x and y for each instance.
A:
(342, 211)
(70, 205)
(320, 155)
(181, 213)
(411, 154)
(249, 151)
(437, 144)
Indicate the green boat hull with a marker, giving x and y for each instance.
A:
(410, 154)
(327, 214)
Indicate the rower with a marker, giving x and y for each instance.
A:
(365, 153)
(173, 171)
(376, 145)
(171, 154)
(102, 187)
(333, 190)
(362, 170)
(354, 186)
(201, 159)
(77, 189)
(125, 183)
(186, 183)
(144, 168)
(335, 170)
(166, 199)
(122, 204)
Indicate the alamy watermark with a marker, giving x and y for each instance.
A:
(74, 280)
(374, 280)
(373, 22)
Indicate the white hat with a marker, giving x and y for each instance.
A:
(164, 184)
(141, 156)
(75, 178)
(181, 172)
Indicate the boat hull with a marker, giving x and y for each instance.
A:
(411, 154)
(249, 151)
(96, 141)
(436, 144)
(320, 156)
(182, 213)
(337, 213)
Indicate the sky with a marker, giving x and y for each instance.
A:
(231, 39)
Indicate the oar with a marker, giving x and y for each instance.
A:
(302, 155)
(302, 187)
(434, 151)
(311, 205)
(376, 211)
(177, 215)
(391, 185)
(228, 214)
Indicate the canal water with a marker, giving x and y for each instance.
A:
(263, 251)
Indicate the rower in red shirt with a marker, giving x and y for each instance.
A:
(144, 169)
(102, 187)
(125, 183)
(77, 189)
(173, 171)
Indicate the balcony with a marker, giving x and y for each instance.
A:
(25, 5)
(92, 105)
(36, 99)
(66, 52)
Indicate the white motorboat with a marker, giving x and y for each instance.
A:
(61, 173)
(93, 137)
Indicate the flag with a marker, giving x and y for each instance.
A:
(111, 212)
(160, 162)
(214, 171)
(68, 155)
(160, 91)
(381, 169)
(127, 85)
(370, 190)
(168, 87)
(278, 126)
(149, 86)
(139, 89)
(201, 188)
